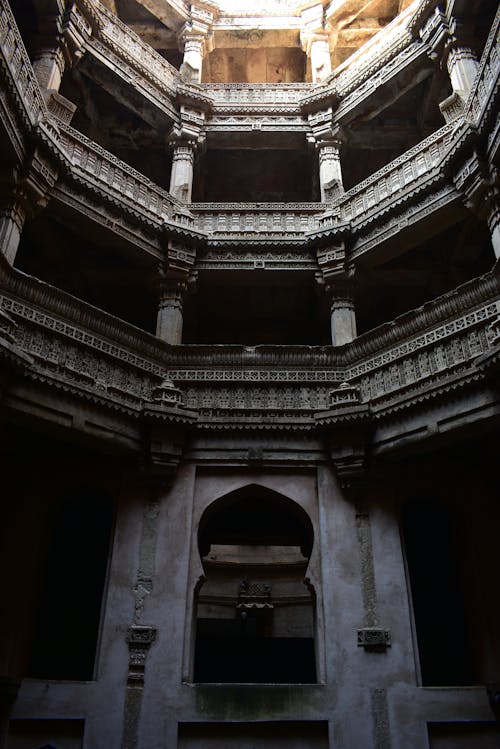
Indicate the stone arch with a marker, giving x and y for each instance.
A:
(255, 615)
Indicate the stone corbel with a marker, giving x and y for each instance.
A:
(29, 194)
(434, 33)
(139, 640)
(348, 424)
(37, 179)
(332, 263)
(81, 21)
(166, 421)
(189, 128)
(480, 187)
(180, 260)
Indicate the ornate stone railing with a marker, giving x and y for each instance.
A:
(18, 64)
(447, 336)
(250, 219)
(130, 48)
(358, 78)
(255, 97)
(372, 80)
(410, 170)
(96, 166)
(90, 353)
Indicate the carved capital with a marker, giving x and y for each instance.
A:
(188, 132)
(332, 262)
(35, 180)
(349, 423)
(178, 264)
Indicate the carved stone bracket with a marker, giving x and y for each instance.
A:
(332, 262)
(434, 33)
(166, 421)
(139, 640)
(480, 187)
(374, 639)
(348, 421)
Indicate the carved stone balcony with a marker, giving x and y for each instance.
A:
(94, 357)
(226, 223)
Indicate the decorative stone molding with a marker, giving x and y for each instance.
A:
(139, 640)
(374, 639)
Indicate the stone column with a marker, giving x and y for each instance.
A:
(330, 170)
(48, 66)
(181, 177)
(170, 320)
(343, 316)
(319, 53)
(193, 57)
(462, 65)
(12, 219)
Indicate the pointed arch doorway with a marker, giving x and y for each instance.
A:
(255, 612)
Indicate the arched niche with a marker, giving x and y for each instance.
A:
(255, 611)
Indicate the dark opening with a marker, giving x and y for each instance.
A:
(437, 596)
(90, 265)
(254, 175)
(67, 626)
(255, 615)
(264, 309)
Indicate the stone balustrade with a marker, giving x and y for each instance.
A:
(90, 353)
(20, 70)
(256, 97)
(448, 335)
(228, 219)
(130, 48)
(410, 170)
(106, 172)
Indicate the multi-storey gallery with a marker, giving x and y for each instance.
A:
(249, 374)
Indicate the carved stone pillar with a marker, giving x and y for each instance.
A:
(194, 46)
(318, 50)
(330, 170)
(170, 319)
(343, 315)
(12, 218)
(48, 66)
(181, 177)
(462, 65)
(196, 38)
(315, 42)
